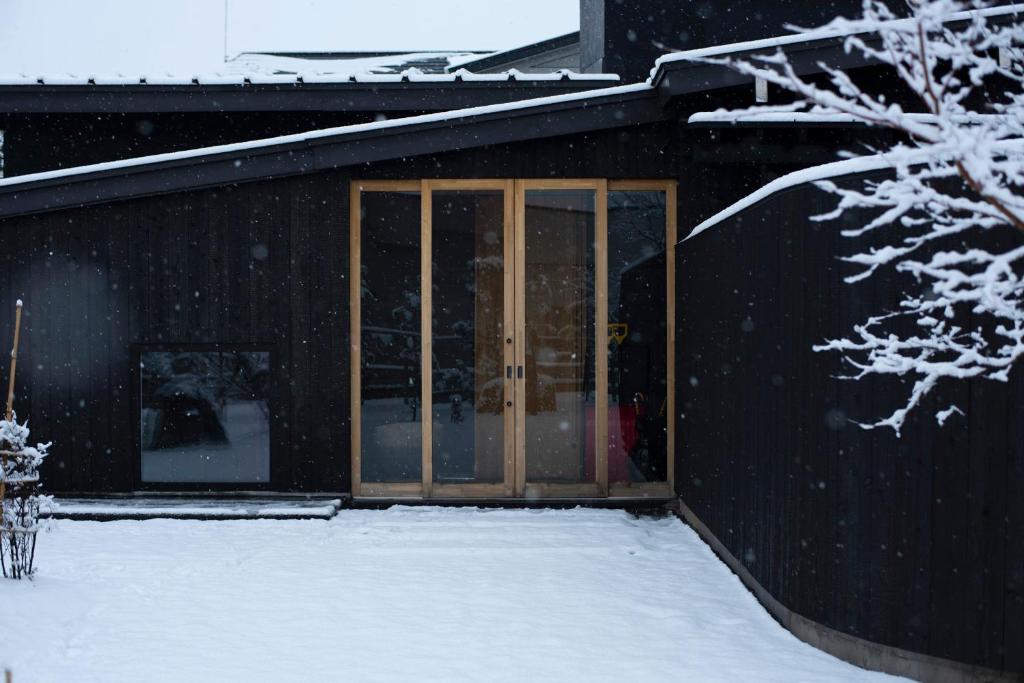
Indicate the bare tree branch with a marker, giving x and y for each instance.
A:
(958, 176)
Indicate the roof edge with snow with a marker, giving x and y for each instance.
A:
(243, 148)
(804, 176)
(605, 107)
(836, 169)
(679, 71)
(331, 148)
(824, 34)
(411, 75)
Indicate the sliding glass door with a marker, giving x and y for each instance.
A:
(470, 244)
(497, 354)
(560, 393)
(387, 345)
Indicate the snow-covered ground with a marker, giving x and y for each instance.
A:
(405, 594)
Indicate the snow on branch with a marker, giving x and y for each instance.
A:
(21, 501)
(954, 181)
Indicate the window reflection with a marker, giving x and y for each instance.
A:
(391, 411)
(468, 330)
(560, 349)
(637, 425)
(205, 416)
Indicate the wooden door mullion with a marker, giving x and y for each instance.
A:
(355, 338)
(601, 336)
(519, 259)
(510, 342)
(426, 339)
(599, 485)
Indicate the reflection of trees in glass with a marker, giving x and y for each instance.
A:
(391, 366)
(636, 363)
(636, 234)
(187, 393)
(468, 300)
(213, 375)
(390, 293)
(454, 377)
(641, 216)
(391, 355)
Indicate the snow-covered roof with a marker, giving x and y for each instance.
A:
(825, 33)
(726, 117)
(813, 174)
(413, 75)
(192, 36)
(323, 67)
(835, 169)
(504, 56)
(336, 132)
(250, 63)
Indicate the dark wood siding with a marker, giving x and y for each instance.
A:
(183, 268)
(609, 28)
(261, 263)
(43, 142)
(908, 542)
(912, 542)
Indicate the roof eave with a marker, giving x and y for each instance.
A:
(682, 76)
(686, 77)
(635, 107)
(331, 97)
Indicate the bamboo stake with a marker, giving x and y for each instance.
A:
(10, 396)
(14, 361)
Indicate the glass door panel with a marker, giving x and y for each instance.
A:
(637, 337)
(558, 385)
(513, 337)
(468, 337)
(389, 293)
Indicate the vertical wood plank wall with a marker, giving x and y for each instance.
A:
(99, 281)
(912, 542)
(252, 264)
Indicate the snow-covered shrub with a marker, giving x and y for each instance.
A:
(22, 500)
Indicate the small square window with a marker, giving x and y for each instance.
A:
(205, 416)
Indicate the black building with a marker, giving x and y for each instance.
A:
(473, 286)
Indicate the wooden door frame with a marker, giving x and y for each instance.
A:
(666, 488)
(514, 483)
(599, 487)
(432, 489)
(381, 489)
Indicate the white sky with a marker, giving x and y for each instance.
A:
(187, 36)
